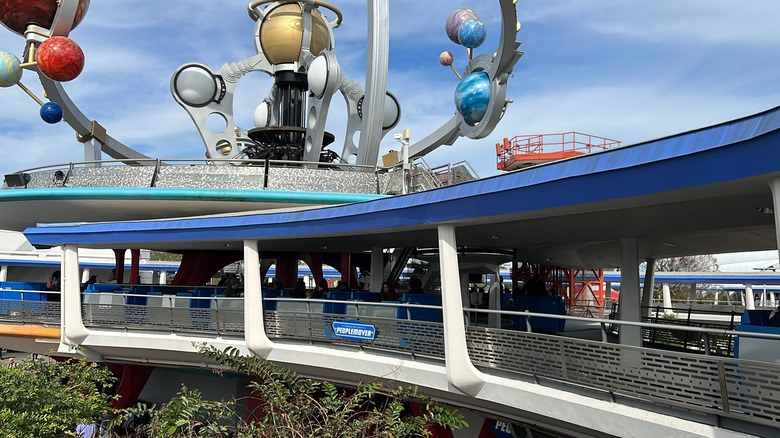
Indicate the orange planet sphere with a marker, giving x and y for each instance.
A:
(60, 59)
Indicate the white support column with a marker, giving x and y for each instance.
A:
(648, 290)
(692, 294)
(629, 292)
(775, 186)
(73, 331)
(667, 297)
(254, 325)
(92, 148)
(495, 298)
(3, 273)
(163, 277)
(377, 266)
(750, 299)
(85, 275)
(461, 373)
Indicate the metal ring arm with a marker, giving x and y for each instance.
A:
(334, 9)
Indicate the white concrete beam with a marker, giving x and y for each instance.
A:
(461, 373)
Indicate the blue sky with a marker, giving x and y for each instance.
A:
(626, 70)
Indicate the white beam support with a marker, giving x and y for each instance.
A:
(85, 275)
(495, 299)
(254, 325)
(667, 297)
(4, 273)
(629, 292)
(775, 186)
(461, 373)
(73, 330)
(750, 299)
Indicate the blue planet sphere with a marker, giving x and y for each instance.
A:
(472, 33)
(472, 97)
(51, 112)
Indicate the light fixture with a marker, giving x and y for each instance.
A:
(18, 179)
(765, 210)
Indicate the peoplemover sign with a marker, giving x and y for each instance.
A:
(354, 330)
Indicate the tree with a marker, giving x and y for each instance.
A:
(164, 256)
(45, 399)
(295, 406)
(698, 263)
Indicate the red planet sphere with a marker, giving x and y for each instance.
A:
(60, 59)
(16, 15)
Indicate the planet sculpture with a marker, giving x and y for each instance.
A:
(51, 112)
(446, 58)
(10, 70)
(60, 59)
(281, 34)
(16, 15)
(472, 97)
(472, 34)
(456, 19)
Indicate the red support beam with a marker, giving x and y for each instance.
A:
(119, 267)
(135, 261)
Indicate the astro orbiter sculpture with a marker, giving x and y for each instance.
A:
(295, 44)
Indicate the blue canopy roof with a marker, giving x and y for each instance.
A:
(725, 164)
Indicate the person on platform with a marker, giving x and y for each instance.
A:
(54, 281)
(234, 288)
(387, 293)
(321, 291)
(415, 286)
(534, 287)
(300, 289)
(364, 280)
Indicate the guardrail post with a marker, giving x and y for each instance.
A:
(724, 390)
(156, 172)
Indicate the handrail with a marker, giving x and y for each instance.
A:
(206, 161)
(628, 323)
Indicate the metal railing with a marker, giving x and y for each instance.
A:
(702, 383)
(310, 321)
(549, 146)
(21, 311)
(215, 315)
